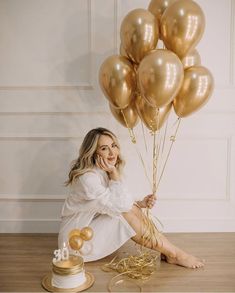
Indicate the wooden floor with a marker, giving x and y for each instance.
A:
(26, 258)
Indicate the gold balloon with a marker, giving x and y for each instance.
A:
(182, 26)
(128, 117)
(196, 90)
(160, 75)
(152, 117)
(117, 80)
(191, 59)
(139, 33)
(86, 233)
(123, 52)
(75, 242)
(157, 7)
(74, 232)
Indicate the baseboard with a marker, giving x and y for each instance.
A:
(170, 225)
(29, 226)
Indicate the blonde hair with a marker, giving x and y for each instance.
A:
(86, 159)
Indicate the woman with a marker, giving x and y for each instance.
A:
(99, 199)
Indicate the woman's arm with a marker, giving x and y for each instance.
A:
(112, 199)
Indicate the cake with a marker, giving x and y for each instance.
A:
(68, 273)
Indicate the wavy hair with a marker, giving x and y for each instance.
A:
(86, 159)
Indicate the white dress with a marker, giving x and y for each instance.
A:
(97, 202)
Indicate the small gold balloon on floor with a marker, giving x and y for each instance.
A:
(86, 233)
(74, 232)
(117, 80)
(128, 117)
(152, 117)
(139, 33)
(157, 8)
(196, 89)
(182, 26)
(191, 59)
(75, 242)
(160, 75)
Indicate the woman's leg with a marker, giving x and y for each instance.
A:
(173, 254)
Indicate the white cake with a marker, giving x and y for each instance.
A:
(68, 274)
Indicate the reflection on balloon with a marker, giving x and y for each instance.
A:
(157, 7)
(196, 90)
(118, 80)
(152, 117)
(191, 59)
(128, 117)
(160, 76)
(182, 26)
(86, 249)
(123, 51)
(139, 33)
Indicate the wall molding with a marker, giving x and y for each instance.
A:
(32, 197)
(120, 135)
(80, 86)
(55, 113)
(61, 198)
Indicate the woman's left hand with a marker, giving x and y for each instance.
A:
(148, 202)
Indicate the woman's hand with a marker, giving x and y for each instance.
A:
(148, 202)
(110, 169)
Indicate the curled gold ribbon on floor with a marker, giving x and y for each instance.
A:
(138, 267)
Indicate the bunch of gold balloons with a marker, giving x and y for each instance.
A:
(77, 237)
(145, 81)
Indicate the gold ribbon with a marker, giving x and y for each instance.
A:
(172, 139)
(138, 267)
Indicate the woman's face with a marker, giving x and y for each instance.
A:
(108, 149)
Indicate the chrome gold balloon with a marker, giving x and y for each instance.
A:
(75, 242)
(182, 26)
(157, 7)
(74, 232)
(139, 33)
(196, 89)
(128, 117)
(191, 59)
(122, 51)
(152, 117)
(160, 75)
(117, 80)
(86, 233)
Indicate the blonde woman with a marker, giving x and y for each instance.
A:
(99, 199)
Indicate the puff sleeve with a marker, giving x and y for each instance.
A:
(112, 199)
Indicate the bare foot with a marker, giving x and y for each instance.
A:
(186, 260)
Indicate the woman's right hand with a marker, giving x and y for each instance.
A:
(110, 169)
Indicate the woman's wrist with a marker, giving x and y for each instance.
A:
(114, 175)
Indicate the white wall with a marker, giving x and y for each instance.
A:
(49, 98)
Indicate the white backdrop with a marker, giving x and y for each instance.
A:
(49, 98)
